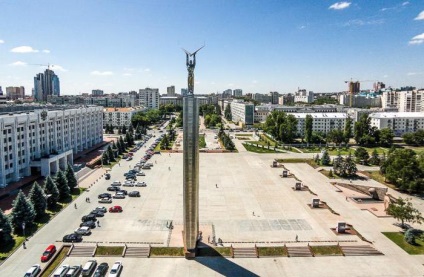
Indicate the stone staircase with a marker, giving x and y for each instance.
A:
(137, 252)
(299, 251)
(360, 250)
(82, 251)
(248, 252)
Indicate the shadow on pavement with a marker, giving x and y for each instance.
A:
(224, 266)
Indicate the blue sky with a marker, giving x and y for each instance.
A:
(256, 45)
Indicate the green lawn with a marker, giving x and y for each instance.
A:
(272, 251)
(202, 142)
(109, 250)
(259, 143)
(260, 150)
(397, 238)
(328, 250)
(167, 251)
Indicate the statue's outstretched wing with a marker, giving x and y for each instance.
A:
(188, 53)
(194, 53)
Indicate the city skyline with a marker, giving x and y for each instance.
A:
(123, 46)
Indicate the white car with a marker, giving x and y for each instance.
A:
(119, 195)
(116, 183)
(61, 271)
(116, 269)
(141, 174)
(128, 184)
(141, 184)
(105, 200)
(33, 271)
(83, 231)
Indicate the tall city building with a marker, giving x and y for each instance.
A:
(46, 84)
(184, 91)
(13, 93)
(303, 96)
(1, 91)
(170, 91)
(149, 98)
(97, 92)
(274, 97)
(354, 87)
(238, 92)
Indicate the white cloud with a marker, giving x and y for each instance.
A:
(24, 49)
(147, 70)
(420, 16)
(58, 68)
(414, 73)
(340, 6)
(18, 63)
(47, 51)
(101, 73)
(360, 22)
(405, 3)
(127, 74)
(1, 41)
(418, 39)
(254, 82)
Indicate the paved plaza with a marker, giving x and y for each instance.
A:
(244, 202)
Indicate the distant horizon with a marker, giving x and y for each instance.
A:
(117, 46)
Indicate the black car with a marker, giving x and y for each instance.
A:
(112, 189)
(124, 191)
(72, 238)
(102, 209)
(101, 270)
(90, 224)
(97, 213)
(134, 194)
(104, 195)
(132, 177)
(89, 217)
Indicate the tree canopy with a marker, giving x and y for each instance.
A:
(281, 126)
(22, 212)
(403, 211)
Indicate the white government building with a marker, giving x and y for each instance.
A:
(322, 122)
(118, 117)
(42, 142)
(400, 122)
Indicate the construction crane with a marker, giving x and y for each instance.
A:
(355, 87)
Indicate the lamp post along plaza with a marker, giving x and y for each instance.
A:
(190, 161)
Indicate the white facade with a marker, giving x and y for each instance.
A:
(400, 123)
(322, 122)
(262, 112)
(242, 112)
(304, 96)
(119, 117)
(149, 98)
(41, 142)
(405, 101)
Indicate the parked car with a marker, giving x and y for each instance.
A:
(104, 195)
(116, 269)
(145, 167)
(83, 231)
(105, 200)
(107, 176)
(116, 183)
(134, 194)
(48, 253)
(97, 213)
(124, 191)
(141, 184)
(141, 174)
(119, 195)
(112, 188)
(88, 217)
(102, 209)
(90, 224)
(72, 238)
(89, 267)
(115, 209)
(101, 270)
(33, 271)
(61, 271)
(131, 177)
(128, 183)
(130, 158)
(74, 271)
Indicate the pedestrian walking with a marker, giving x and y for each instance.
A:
(24, 245)
(98, 223)
(297, 238)
(253, 213)
(75, 205)
(209, 239)
(88, 199)
(216, 185)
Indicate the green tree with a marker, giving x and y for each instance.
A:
(110, 154)
(105, 158)
(62, 185)
(52, 191)
(6, 227)
(337, 164)
(22, 212)
(362, 130)
(386, 137)
(349, 167)
(336, 136)
(361, 155)
(38, 200)
(227, 112)
(325, 159)
(124, 130)
(308, 128)
(347, 134)
(123, 145)
(408, 138)
(70, 176)
(164, 143)
(375, 159)
(404, 211)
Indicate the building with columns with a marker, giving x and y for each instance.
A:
(42, 141)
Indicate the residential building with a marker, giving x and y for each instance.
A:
(170, 91)
(184, 91)
(149, 98)
(44, 141)
(262, 111)
(322, 122)
(176, 100)
(361, 100)
(262, 98)
(119, 117)
(242, 112)
(228, 93)
(1, 91)
(286, 99)
(238, 92)
(274, 97)
(46, 84)
(379, 86)
(411, 101)
(97, 92)
(14, 93)
(399, 122)
(303, 96)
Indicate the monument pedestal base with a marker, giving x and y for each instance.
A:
(189, 254)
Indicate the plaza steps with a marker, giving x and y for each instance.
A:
(249, 252)
(137, 252)
(82, 251)
(360, 250)
(298, 251)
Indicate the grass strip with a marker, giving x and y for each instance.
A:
(56, 262)
(214, 252)
(167, 251)
(202, 142)
(398, 238)
(272, 251)
(326, 250)
(109, 250)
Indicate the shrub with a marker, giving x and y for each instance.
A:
(411, 234)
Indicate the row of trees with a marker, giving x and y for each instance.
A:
(119, 147)
(144, 119)
(344, 167)
(211, 113)
(166, 142)
(366, 135)
(362, 157)
(32, 208)
(227, 112)
(282, 126)
(416, 138)
(226, 140)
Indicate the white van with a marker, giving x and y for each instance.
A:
(61, 271)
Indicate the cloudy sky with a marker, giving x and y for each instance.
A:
(256, 45)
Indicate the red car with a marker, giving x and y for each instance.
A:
(115, 209)
(48, 253)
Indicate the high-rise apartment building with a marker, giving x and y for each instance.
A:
(406, 100)
(46, 84)
(13, 93)
(274, 97)
(238, 92)
(97, 92)
(170, 91)
(303, 96)
(149, 98)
